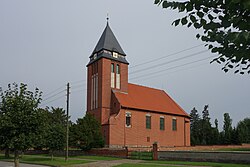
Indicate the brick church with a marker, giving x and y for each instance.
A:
(131, 115)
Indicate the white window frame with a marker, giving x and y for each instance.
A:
(128, 114)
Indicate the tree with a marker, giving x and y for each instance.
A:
(235, 136)
(215, 133)
(206, 129)
(41, 141)
(86, 133)
(227, 128)
(53, 136)
(19, 120)
(243, 128)
(225, 25)
(56, 134)
(195, 126)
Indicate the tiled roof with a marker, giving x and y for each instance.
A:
(150, 99)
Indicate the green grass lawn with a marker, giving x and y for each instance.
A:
(46, 160)
(213, 164)
(95, 157)
(55, 162)
(140, 165)
(59, 161)
(86, 157)
(233, 149)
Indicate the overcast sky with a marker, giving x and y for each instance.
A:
(47, 43)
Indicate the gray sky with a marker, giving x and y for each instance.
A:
(47, 43)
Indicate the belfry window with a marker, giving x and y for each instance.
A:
(112, 75)
(112, 68)
(117, 69)
(118, 80)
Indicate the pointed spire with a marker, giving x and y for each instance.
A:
(108, 47)
(108, 42)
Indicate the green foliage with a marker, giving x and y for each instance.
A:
(56, 134)
(86, 133)
(225, 26)
(53, 136)
(227, 129)
(206, 128)
(20, 122)
(195, 127)
(215, 133)
(243, 129)
(19, 119)
(201, 129)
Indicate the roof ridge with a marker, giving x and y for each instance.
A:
(146, 87)
(176, 103)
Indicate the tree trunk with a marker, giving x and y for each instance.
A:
(52, 156)
(7, 153)
(16, 158)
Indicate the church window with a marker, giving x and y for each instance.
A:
(112, 75)
(117, 69)
(148, 122)
(118, 80)
(96, 91)
(174, 124)
(112, 67)
(162, 123)
(92, 93)
(94, 86)
(115, 55)
(128, 119)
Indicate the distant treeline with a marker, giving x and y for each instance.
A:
(203, 133)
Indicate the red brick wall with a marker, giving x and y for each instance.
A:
(137, 135)
(105, 103)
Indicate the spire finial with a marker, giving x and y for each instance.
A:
(107, 17)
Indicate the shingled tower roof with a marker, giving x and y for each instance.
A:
(106, 46)
(109, 42)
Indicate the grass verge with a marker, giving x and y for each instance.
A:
(45, 160)
(233, 149)
(213, 164)
(95, 158)
(140, 165)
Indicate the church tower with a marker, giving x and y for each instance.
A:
(107, 71)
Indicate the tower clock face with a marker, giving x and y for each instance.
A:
(115, 55)
(95, 56)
